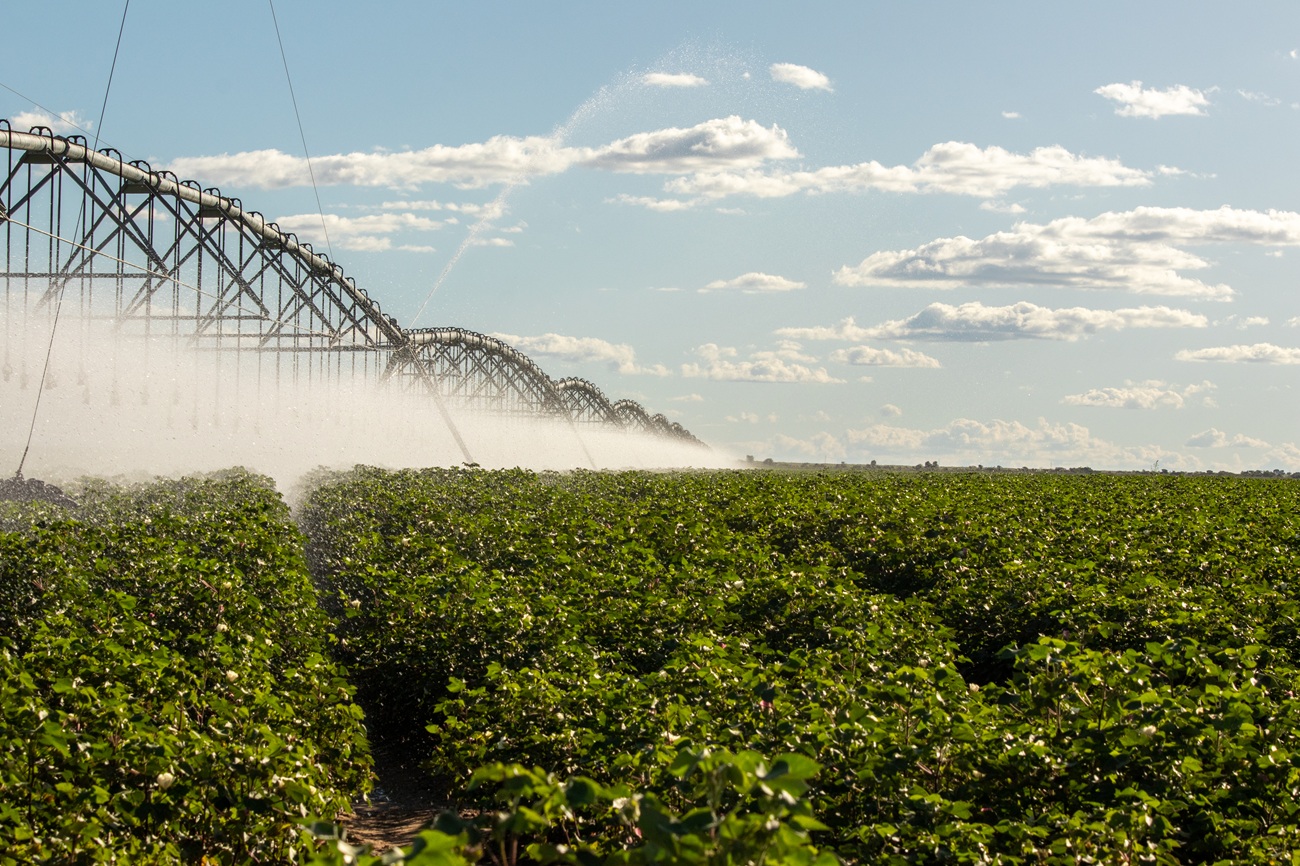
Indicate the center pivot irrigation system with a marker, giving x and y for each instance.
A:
(146, 255)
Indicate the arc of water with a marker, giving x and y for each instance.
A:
(559, 135)
(494, 209)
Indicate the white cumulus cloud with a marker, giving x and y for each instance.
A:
(800, 76)
(952, 167)
(728, 143)
(821, 446)
(846, 329)
(785, 364)
(617, 356)
(1258, 353)
(965, 433)
(755, 282)
(372, 232)
(868, 356)
(1242, 323)
(1137, 101)
(1287, 455)
(1215, 438)
(500, 159)
(1137, 251)
(977, 322)
(1141, 395)
(649, 202)
(999, 441)
(491, 210)
(67, 123)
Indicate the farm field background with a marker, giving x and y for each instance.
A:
(922, 667)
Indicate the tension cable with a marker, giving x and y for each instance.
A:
(81, 216)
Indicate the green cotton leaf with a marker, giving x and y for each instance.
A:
(56, 738)
(434, 848)
(455, 685)
(524, 820)
(962, 733)
(453, 825)
(788, 788)
(321, 829)
(581, 792)
(694, 821)
(296, 792)
(808, 822)
(1037, 651)
(545, 852)
(794, 766)
(685, 762)
(960, 808)
(654, 821)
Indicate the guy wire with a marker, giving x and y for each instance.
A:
(81, 216)
(294, 99)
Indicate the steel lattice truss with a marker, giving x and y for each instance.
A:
(485, 373)
(152, 255)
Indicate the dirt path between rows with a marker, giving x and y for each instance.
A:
(402, 804)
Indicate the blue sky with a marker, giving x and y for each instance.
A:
(1008, 234)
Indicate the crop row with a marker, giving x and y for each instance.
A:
(995, 669)
(166, 687)
(998, 669)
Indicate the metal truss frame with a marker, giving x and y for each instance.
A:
(156, 256)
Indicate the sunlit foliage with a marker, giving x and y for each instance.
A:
(1012, 669)
(166, 691)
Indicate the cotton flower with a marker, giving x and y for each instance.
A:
(165, 781)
